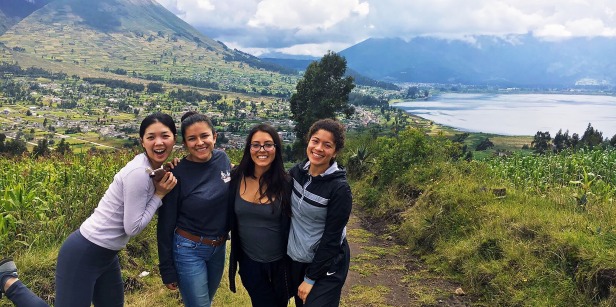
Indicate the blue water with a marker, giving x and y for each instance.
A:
(519, 114)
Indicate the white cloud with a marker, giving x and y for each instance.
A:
(553, 32)
(302, 26)
(306, 15)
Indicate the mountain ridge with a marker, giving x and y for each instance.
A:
(139, 38)
(11, 12)
(516, 60)
(302, 64)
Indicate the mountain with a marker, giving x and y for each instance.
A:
(520, 60)
(297, 64)
(280, 55)
(138, 38)
(12, 11)
(302, 64)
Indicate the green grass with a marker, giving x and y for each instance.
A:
(538, 244)
(75, 49)
(366, 296)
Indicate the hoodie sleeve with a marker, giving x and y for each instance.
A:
(167, 218)
(138, 210)
(338, 212)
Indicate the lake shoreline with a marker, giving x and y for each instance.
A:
(516, 114)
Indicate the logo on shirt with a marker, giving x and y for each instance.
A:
(225, 176)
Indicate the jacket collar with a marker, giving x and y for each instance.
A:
(330, 170)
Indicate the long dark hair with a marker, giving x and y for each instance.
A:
(275, 179)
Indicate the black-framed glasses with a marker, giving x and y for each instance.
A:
(266, 146)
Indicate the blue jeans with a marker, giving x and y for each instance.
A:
(199, 268)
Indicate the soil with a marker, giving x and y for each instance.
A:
(385, 273)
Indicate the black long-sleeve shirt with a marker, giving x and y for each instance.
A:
(197, 204)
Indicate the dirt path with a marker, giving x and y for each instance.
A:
(384, 273)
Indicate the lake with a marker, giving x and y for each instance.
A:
(518, 114)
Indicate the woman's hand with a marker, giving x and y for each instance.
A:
(165, 185)
(172, 286)
(173, 163)
(303, 291)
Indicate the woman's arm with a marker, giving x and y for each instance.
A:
(139, 210)
(338, 212)
(167, 218)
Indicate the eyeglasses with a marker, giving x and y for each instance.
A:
(266, 146)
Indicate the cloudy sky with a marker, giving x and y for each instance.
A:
(312, 27)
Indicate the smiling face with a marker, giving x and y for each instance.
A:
(320, 151)
(264, 155)
(199, 140)
(158, 141)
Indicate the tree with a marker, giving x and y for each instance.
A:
(2, 138)
(612, 141)
(155, 88)
(41, 148)
(222, 138)
(541, 142)
(321, 93)
(575, 140)
(412, 92)
(63, 147)
(460, 137)
(484, 144)
(15, 147)
(591, 137)
(561, 141)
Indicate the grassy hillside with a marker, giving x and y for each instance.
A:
(138, 38)
(11, 12)
(42, 201)
(519, 231)
(4, 23)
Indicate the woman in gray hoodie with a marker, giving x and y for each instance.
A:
(321, 205)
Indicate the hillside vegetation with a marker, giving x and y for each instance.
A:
(519, 231)
(135, 38)
(43, 200)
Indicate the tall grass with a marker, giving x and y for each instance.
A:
(544, 172)
(586, 176)
(521, 231)
(43, 200)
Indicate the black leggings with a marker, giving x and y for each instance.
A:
(21, 296)
(266, 283)
(87, 273)
(327, 289)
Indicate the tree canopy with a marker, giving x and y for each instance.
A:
(321, 93)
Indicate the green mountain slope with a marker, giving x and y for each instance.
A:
(138, 38)
(11, 12)
(4, 23)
